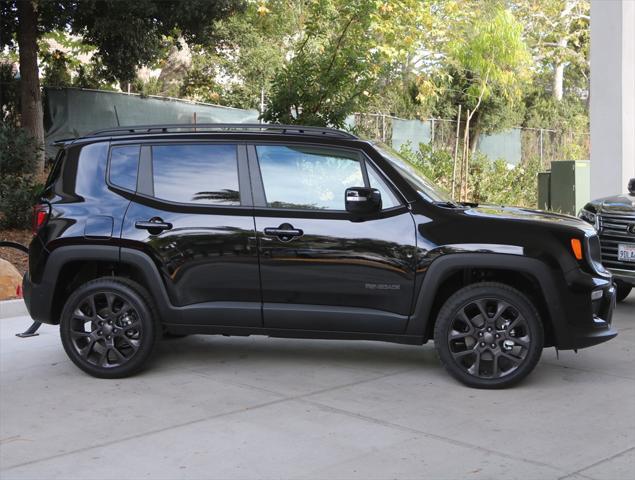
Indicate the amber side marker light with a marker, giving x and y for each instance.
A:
(576, 246)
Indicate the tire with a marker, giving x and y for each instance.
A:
(497, 353)
(623, 289)
(114, 338)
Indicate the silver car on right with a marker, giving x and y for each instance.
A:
(614, 219)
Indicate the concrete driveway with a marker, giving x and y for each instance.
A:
(216, 407)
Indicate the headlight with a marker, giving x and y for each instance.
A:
(589, 217)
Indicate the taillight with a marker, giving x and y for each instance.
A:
(40, 216)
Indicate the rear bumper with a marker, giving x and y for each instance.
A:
(38, 298)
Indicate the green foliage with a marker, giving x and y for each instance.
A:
(342, 51)
(127, 34)
(56, 71)
(9, 94)
(18, 156)
(491, 182)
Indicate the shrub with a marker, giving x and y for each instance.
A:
(492, 182)
(18, 187)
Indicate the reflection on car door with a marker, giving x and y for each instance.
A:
(321, 268)
(192, 214)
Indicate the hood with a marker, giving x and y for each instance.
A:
(618, 204)
(529, 215)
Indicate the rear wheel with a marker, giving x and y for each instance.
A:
(108, 327)
(489, 335)
(623, 289)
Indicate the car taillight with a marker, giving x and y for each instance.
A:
(40, 216)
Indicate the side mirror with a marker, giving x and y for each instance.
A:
(631, 186)
(362, 200)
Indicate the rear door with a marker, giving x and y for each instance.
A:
(321, 268)
(192, 213)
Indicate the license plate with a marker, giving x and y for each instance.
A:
(626, 253)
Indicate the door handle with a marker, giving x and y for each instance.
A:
(154, 225)
(284, 232)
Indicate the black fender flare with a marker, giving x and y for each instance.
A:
(444, 266)
(39, 297)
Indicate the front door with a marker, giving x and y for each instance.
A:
(192, 214)
(321, 268)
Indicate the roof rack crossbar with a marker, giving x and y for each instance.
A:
(196, 127)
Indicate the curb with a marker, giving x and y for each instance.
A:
(12, 308)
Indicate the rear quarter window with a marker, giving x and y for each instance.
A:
(124, 165)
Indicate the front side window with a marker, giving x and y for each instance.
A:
(307, 178)
(388, 198)
(124, 163)
(200, 174)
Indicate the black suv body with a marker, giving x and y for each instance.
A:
(299, 232)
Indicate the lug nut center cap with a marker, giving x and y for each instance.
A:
(488, 338)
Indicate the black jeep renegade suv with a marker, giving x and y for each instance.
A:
(299, 232)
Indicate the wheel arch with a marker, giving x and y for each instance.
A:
(450, 272)
(70, 266)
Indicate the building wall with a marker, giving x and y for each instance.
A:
(612, 96)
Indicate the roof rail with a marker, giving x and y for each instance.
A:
(206, 127)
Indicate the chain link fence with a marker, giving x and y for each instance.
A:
(516, 145)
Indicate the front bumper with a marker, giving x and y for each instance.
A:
(590, 302)
(626, 276)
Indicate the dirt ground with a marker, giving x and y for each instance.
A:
(17, 258)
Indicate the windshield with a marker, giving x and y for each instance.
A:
(428, 190)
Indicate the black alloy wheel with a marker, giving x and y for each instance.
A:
(108, 328)
(489, 335)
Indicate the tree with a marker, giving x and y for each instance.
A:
(343, 49)
(557, 33)
(486, 58)
(126, 35)
(253, 46)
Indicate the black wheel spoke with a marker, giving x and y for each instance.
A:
(463, 353)
(88, 348)
(513, 359)
(476, 366)
(455, 335)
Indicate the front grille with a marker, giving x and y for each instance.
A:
(613, 231)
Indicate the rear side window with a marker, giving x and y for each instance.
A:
(124, 164)
(200, 174)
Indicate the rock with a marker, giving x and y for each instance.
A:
(10, 280)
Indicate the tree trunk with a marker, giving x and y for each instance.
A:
(558, 69)
(30, 97)
(475, 133)
(558, 81)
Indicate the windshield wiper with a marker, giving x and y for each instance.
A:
(447, 204)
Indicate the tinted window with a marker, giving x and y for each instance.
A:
(124, 163)
(388, 199)
(307, 178)
(205, 174)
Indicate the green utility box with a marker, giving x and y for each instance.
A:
(567, 188)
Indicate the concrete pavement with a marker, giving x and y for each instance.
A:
(216, 407)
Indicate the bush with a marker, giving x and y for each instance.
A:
(492, 182)
(18, 186)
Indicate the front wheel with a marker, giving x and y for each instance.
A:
(108, 327)
(489, 335)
